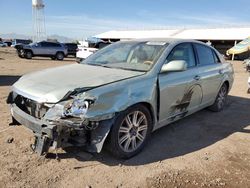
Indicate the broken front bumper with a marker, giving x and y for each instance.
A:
(44, 132)
(62, 133)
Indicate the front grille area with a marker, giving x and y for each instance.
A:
(31, 107)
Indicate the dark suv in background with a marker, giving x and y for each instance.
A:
(72, 48)
(54, 50)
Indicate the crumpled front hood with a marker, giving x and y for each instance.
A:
(51, 85)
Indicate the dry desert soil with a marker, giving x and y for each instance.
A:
(205, 149)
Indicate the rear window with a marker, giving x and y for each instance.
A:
(205, 54)
(52, 44)
(71, 45)
(45, 44)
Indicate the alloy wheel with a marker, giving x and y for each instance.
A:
(222, 97)
(133, 131)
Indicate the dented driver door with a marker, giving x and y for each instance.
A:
(180, 92)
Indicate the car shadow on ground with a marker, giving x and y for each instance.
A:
(7, 80)
(188, 135)
(49, 59)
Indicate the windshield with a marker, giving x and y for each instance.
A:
(137, 56)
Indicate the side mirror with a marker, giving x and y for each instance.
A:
(174, 66)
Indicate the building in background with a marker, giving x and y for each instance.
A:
(220, 38)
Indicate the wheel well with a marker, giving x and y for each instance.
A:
(29, 51)
(150, 108)
(145, 104)
(60, 52)
(227, 84)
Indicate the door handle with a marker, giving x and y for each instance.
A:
(197, 77)
(220, 72)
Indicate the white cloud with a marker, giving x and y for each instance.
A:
(82, 26)
(214, 19)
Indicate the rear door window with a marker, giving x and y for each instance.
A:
(216, 58)
(55, 45)
(205, 54)
(45, 44)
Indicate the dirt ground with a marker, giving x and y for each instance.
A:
(203, 150)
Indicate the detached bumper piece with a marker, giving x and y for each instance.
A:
(41, 145)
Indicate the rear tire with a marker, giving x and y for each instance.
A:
(59, 56)
(28, 54)
(220, 100)
(130, 132)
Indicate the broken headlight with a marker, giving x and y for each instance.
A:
(77, 107)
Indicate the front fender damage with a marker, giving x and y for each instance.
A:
(100, 117)
(91, 129)
(53, 130)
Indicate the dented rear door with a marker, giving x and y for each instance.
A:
(211, 72)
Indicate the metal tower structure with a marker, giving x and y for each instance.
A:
(38, 20)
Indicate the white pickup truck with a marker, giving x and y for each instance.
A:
(84, 51)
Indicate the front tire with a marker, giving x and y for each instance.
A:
(28, 54)
(130, 132)
(59, 56)
(221, 99)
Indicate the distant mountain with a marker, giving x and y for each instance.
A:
(21, 36)
(61, 38)
(14, 36)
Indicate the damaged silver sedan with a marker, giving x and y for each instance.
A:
(120, 94)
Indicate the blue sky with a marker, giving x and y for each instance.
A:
(81, 18)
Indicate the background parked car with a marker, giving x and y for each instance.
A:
(3, 44)
(89, 47)
(83, 52)
(9, 43)
(72, 48)
(20, 42)
(54, 50)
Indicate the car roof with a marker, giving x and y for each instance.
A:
(70, 43)
(167, 40)
(49, 42)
